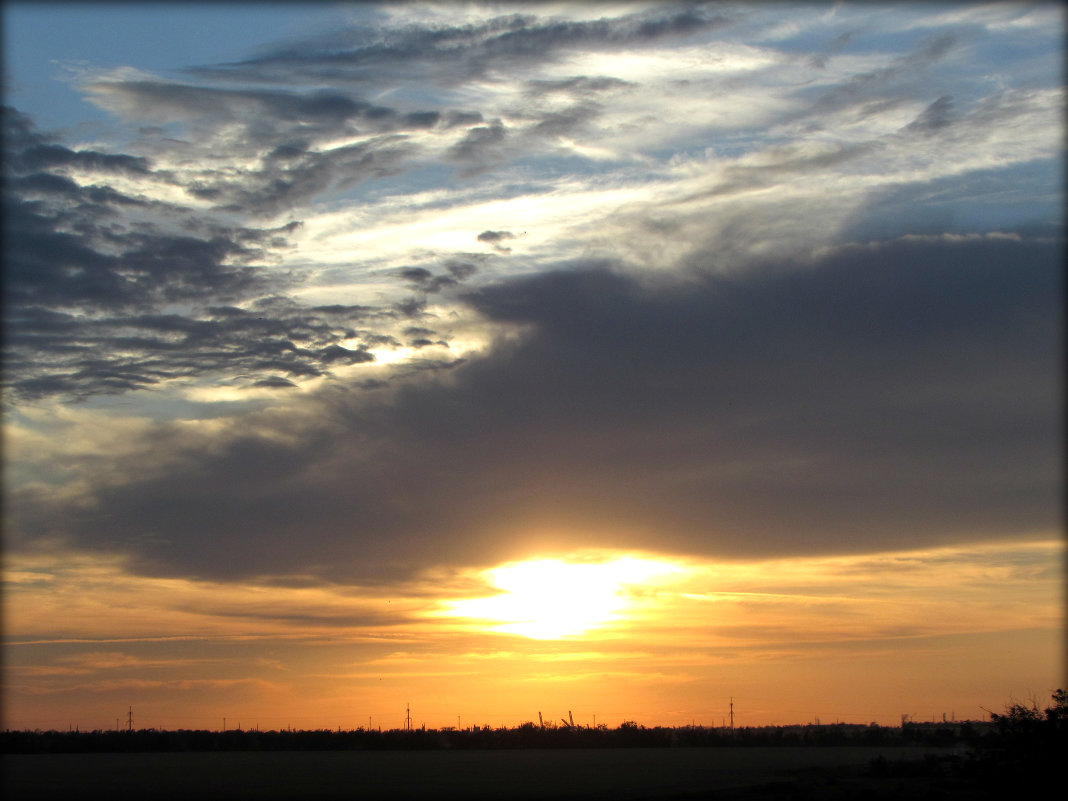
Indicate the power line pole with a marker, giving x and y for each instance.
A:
(408, 718)
(732, 713)
(129, 719)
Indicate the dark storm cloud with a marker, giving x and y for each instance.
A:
(86, 286)
(456, 54)
(887, 396)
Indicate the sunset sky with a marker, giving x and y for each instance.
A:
(613, 358)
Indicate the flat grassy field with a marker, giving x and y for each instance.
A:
(624, 773)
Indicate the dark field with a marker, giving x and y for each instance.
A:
(636, 773)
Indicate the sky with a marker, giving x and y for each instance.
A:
(621, 359)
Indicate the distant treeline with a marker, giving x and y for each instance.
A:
(527, 735)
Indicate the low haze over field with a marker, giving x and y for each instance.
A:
(615, 358)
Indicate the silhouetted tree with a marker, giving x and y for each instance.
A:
(1025, 753)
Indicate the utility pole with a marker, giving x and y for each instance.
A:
(129, 719)
(732, 713)
(408, 718)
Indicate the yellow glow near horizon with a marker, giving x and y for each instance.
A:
(547, 599)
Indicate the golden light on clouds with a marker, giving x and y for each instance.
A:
(656, 637)
(547, 599)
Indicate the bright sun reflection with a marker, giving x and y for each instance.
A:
(546, 599)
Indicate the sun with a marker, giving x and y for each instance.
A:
(548, 599)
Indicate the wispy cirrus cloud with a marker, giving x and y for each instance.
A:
(458, 53)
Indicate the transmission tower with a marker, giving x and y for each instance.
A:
(129, 719)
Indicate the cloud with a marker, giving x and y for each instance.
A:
(108, 292)
(449, 54)
(274, 382)
(878, 82)
(880, 398)
(495, 238)
(481, 144)
(288, 178)
(580, 85)
(937, 115)
(296, 132)
(313, 114)
(426, 280)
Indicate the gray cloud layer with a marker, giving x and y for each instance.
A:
(887, 396)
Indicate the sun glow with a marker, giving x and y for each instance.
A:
(547, 599)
